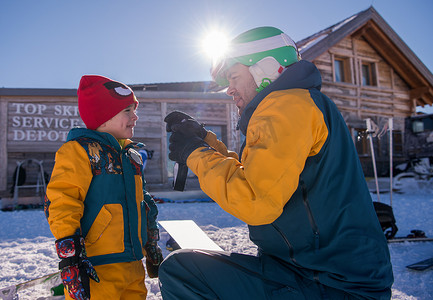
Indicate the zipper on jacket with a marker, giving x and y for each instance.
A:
(124, 153)
(310, 215)
(291, 254)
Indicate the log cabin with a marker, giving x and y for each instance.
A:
(370, 73)
(367, 70)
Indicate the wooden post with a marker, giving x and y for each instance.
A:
(391, 124)
(370, 137)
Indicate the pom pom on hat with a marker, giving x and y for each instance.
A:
(100, 99)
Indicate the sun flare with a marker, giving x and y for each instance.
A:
(215, 44)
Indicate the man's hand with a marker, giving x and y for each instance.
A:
(75, 268)
(181, 122)
(181, 146)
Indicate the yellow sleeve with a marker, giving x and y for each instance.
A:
(212, 140)
(285, 129)
(67, 189)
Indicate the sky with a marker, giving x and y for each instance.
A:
(52, 43)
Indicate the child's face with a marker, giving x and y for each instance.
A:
(121, 126)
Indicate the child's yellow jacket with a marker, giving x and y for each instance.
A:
(97, 187)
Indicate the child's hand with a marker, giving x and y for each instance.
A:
(153, 259)
(75, 268)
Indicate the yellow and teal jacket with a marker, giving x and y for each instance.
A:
(300, 188)
(97, 187)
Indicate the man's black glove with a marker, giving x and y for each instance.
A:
(181, 122)
(181, 146)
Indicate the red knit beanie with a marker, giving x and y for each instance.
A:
(100, 99)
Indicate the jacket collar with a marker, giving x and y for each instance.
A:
(102, 137)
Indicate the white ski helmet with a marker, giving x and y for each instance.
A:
(268, 47)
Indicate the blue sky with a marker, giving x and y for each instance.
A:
(52, 43)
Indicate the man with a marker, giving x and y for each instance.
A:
(298, 184)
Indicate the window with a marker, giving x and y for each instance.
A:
(339, 71)
(422, 124)
(417, 126)
(342, 70)
(368, 74)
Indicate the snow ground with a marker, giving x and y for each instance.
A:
(27, 246)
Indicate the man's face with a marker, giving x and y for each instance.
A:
(242, 86)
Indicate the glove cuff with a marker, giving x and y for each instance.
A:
(153, 235)
(203, 131)
(190, 148)
(70, 250)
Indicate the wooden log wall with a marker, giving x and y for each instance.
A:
(389, 98)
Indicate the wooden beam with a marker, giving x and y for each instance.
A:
(423, 95)
(384, 46)
(425, 100)
(381, 42)
(413, 106)
(419, 92)
(356, 78)
(359, 34)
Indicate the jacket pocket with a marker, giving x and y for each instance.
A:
(107, 232)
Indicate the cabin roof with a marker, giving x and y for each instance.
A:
(368, 24)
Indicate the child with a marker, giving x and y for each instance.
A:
(103, 219)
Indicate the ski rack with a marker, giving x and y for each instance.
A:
(408, 239)
(40, 185)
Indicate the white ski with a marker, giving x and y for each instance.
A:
(11, 292)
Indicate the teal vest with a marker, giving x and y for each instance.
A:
(113, 183)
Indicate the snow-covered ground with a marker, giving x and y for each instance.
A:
(27, 246)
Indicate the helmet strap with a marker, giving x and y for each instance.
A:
(265, 83)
